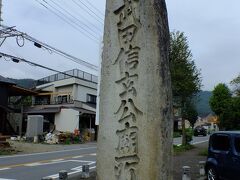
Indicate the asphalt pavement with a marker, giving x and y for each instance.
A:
(47, 164)
(196, 140)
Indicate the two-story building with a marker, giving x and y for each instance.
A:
(66, 102)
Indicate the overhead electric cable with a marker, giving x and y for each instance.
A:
(69, 19)
(99, 20)
(17, 60)
(57, 51)
(95, 7)
(64, 19)
(70, 14)
(90, 10)
(83, 17)
(40, 44)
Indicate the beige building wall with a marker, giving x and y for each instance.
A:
(83, 91)
(67, 120)
(76, 88)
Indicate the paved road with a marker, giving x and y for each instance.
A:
(38, 165)
(196, 140)
(48, 164)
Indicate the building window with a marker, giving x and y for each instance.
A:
(59, 99)
(91, 98)
(64, 99)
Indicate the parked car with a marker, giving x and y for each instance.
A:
(223, 161)
(199, 130)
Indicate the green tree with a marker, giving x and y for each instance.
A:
(186, 80)
(236, 83)
(236, 113)
(190, 113)
(221, 104)
(220, 99)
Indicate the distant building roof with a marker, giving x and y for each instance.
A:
(74, 73)
(4, 80)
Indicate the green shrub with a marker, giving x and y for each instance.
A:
(176, 134)
(189, 135)
(68, 141)
(179, 149)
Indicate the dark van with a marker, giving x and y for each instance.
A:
(223, 160)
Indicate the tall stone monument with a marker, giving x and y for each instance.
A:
(135, 131)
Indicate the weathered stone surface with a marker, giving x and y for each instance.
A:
(135, 132)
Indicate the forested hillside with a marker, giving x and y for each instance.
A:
(26, 83)
(202, 103)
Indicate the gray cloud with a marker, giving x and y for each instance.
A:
(212, 28)
(213, 31)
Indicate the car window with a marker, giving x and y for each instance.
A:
(221, 142)
(237, 144)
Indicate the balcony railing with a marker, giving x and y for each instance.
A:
(75, 72)
(47, 102)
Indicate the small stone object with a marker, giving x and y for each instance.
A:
(63, 175)
(85, 171)
(201, 168)
(35, 139)
(186, 173)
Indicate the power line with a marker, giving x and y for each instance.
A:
(100, 21)
(95, 8)
(90, 10)
(72, 21)
(67, 21)
(57, 51)
(15, 33)
(17, 60)
(70, 14)
(83, 17)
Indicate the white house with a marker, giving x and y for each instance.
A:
(65, 101)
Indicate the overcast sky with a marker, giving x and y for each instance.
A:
(212, 28)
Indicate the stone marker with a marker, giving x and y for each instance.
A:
(63, 175)
(85, 171)
(135, 131)
(186, 173)
(202, 168)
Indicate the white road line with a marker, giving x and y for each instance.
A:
(199, 142)
(76, 157)
(3, 169)
(56, 160)
(32, 164)
(93, 154)
(43, 164)
(6, 179)
(75, 170)
(52, 152)
(194, 143)
(75, 160)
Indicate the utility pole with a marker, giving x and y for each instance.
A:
(1, 13)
